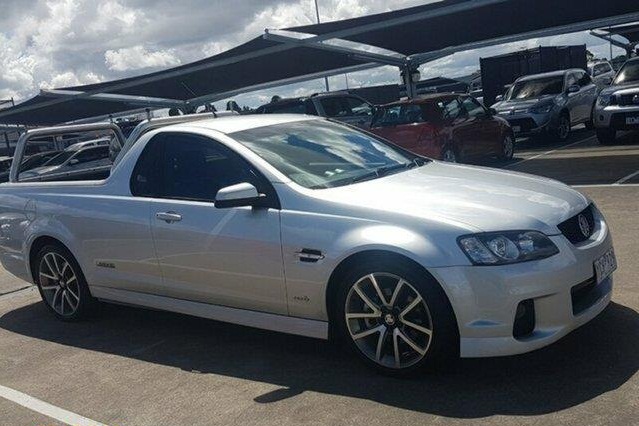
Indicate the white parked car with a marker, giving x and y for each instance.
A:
(306, 226)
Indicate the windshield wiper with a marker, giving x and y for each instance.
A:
(385, 170)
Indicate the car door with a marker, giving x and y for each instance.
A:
(230, 257)
(588, 95)
(574, 99)
(403, 125)
(488, 130)
(465, 130)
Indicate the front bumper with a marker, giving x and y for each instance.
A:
(614, 117)
(528, 124)
(485, 298)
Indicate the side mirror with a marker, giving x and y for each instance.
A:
(499, 98)
(242, 194)
(573, 89)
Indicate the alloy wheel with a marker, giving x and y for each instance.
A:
(59, 284)
(564, 128)
(449, 156)
(388, 320)
(509, 147)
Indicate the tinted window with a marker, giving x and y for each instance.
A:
(398, 114)
(358, 106)
(584, 79)
(296, 107)
(472, 107)
(335, 107)
(629, 72)
(92, 154)
(189, 167)
(450, 108)
(321, 154)
(538, 87)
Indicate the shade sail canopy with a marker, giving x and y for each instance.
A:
(263, 62)
(44, 115)
(629, 32)
(254, 63)
(448, 23)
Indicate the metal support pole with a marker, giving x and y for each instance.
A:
(407, 73)
(318, 21)
(6, 139)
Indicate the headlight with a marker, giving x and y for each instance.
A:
(605, 100)
(542, 109)
(499, 248)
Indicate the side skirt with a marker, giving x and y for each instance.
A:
(273, 322)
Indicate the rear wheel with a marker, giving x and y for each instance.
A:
(61, 284)
(394, 318)
(507, 148)
(449, 155)
(606, 136)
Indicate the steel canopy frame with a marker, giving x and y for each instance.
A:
(406, 63)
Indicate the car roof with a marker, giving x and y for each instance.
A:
(238, 123)
(548, 74)
(87, 144)
(428, 98)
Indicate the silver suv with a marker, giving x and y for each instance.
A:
(601, 72)
(617, 107)
(549, 103)
(341, 106)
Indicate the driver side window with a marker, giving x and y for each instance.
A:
(188, 167)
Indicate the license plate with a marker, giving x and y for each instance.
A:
(632, 120)
(605, 265)
(516, 129)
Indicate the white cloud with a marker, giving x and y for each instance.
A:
(138, 57)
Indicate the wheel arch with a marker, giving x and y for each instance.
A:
(37, 244)
(367, 254)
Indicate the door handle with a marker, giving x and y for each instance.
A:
(168, 217)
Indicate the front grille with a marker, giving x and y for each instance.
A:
(587, 293)
(618, 121)
(526, 124)
(572, 230)
(625, 100)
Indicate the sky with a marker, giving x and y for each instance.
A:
(48, 44)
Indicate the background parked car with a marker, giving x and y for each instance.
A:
(617, 107)
(31, 162)
(451, 127)
(5, 167)
(341, 106)
(549, 103)
(601, 72)
(83, 155)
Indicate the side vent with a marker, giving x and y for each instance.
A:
(309, 255)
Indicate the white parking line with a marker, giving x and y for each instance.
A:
(45, 408)
(626, 178)
(549, 152)
(607, 185)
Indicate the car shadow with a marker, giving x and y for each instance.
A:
(593, 360)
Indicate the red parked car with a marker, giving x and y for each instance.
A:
(445, 126)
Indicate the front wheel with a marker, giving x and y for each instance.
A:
(394, 318)
(562, 132)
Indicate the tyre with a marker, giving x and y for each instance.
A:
(562, 132)
(62, 285)
(606, 136)
(449, 155)
(395, 318)
(507, 148)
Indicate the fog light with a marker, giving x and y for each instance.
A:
(524, 319)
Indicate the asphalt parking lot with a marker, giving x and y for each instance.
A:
(137, 367)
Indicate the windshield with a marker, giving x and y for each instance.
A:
(538, 87)
(322, 154)
(60, 158)
(629, 72)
